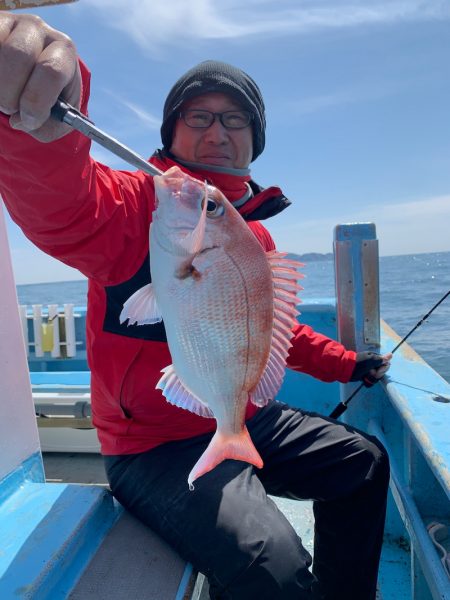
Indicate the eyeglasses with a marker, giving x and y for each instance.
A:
(230, 119)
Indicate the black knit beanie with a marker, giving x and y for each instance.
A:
(215, 76)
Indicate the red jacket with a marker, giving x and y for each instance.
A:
(97, 220)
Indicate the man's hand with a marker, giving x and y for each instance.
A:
(370, 367)
(37, 64)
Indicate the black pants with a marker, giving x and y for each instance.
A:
(233, 533)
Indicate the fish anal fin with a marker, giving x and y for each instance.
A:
(272, 378)
(223, 446)
(177, 394)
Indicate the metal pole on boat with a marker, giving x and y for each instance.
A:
(342, 406)
(357, 289)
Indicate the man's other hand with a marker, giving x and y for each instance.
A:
(370, 367)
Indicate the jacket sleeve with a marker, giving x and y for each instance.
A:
(320, 356)
(75, 209)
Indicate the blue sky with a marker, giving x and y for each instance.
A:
(357, 98)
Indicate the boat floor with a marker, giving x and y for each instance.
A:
(74, 467)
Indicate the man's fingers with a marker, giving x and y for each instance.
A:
(54, 71)
(37, 65)
(380, 372)
(20, 48)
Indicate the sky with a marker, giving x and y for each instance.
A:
(357, 98)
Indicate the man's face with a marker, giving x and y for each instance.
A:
(214, 145)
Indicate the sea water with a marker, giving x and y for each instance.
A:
(410, 286)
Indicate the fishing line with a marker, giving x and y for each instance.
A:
(342, 406)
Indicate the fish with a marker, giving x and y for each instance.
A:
(228, 308)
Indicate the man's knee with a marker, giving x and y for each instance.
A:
(380, 467)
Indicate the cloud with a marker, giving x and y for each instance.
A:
(356, 93)
(124, 127)
(402, 228)
(152, 24)
(146, 118)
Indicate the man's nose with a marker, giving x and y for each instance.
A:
(216, 132)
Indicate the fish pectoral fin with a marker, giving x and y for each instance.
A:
(141, 308)
(237, 446)
(285, 287)
(176, 393)
(193, 242)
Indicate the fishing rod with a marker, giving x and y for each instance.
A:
(342, 406)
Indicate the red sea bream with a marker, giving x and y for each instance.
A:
(228, 309)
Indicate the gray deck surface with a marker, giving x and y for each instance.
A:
(134, 564)
(71, 467)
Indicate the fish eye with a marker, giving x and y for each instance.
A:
(214, 209)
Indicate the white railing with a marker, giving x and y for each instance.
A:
(53, 332)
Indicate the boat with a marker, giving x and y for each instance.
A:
(73, 540)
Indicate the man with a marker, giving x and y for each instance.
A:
(97, 220)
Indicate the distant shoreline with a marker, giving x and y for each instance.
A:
(319, 256)
(313, 256)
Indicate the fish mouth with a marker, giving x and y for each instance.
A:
(205, 250)
(201, 252)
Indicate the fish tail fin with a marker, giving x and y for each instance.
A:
(237, 446)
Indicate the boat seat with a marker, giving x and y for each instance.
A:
(151, 570)
(74, 541)
(133, 562)
(47, 532)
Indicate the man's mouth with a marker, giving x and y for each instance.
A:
(214, 159)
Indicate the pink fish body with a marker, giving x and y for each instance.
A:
(228, 309)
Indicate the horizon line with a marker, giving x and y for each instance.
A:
(287, 252)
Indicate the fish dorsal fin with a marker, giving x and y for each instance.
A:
(176, 393)
(285, 275)
(141, 308)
